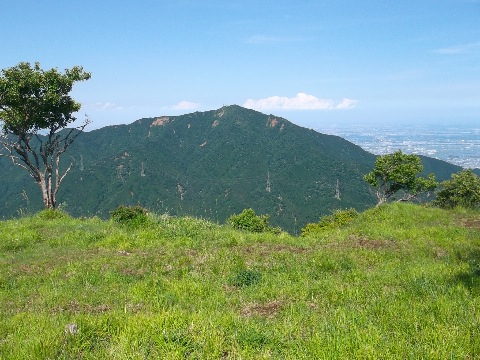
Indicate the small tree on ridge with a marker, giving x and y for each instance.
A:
(399, 172)
(34, 109)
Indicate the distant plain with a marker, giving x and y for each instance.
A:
(457, 144)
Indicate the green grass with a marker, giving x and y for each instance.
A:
(400, 281)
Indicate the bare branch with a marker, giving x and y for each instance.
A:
(59, 180)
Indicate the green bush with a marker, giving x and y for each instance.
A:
(248, 220)
(337, 219)
(129, 215)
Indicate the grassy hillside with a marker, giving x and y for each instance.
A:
(401, 281)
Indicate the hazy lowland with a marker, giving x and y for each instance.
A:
(458, 144)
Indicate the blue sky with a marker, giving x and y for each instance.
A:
(312, 62)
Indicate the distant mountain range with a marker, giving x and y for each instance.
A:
(208, 164)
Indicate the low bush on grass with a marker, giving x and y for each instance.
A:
(129, 215)
(248, 220)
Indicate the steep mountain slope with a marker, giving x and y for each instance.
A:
(210, 164)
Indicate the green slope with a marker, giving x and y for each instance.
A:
(401, 281)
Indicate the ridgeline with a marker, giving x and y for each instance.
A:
(211, 165)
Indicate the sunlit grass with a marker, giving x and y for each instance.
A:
(401, 281)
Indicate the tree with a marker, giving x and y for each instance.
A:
(35, 110)
(399, 172)
(463, 189)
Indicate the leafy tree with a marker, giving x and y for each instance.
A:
(399, 172)
(34, 109)
(463, 189)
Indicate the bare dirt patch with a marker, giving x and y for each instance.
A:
(220, 113)
(365, 243)
(269, 309)
(267, 249)
(439, 252)
(471, 223)
(272, 122)
(160, 121)
(133, 272)
(31, 269)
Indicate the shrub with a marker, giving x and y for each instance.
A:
(337, 219)
(129, 215)
(248, 220)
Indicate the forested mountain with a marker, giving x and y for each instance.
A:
(210, 164)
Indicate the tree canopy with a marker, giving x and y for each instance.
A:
(398, 172)
(34, 106)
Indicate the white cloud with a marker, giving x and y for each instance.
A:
(459, 49)
(347, 104)
(185, 105)
(301, 101)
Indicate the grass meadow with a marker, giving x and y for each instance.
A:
(400, 282)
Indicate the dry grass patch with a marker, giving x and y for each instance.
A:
(74, 307)
(269, 309)
(355, 241)
(264, 250)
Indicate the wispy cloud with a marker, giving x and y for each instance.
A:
(185, 105)
(458, 49)
(301, 101)
(104, 106)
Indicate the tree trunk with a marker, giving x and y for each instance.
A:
(47, 195)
